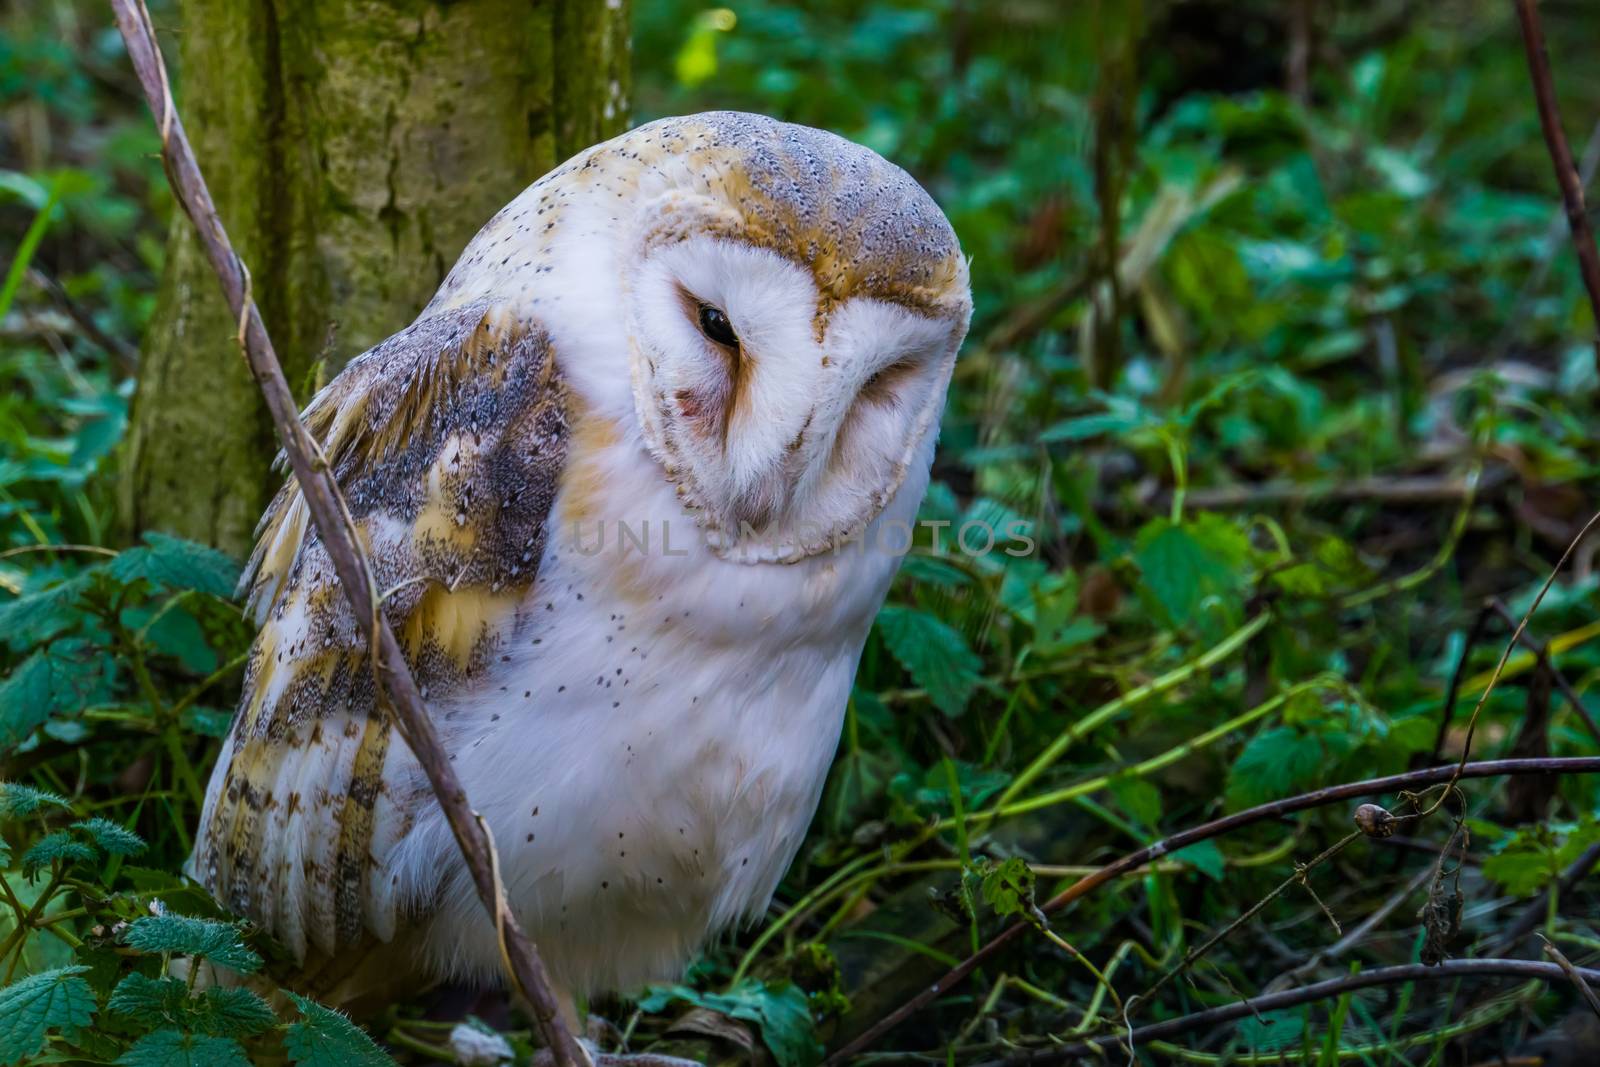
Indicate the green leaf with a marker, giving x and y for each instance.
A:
(151, 1001)
(209, 722)
(235, 1012)
(66, 676)
(1276, 763)
(177, 564)
(54, 1000)
(1008, 887)
(1193, 570)
(34, 618)
(173, 1048)
(114, 840)
(53, 847)
(934, 654)
(1272, 1031)
(18, 801)
(1139, 799)
(780, 1010)
(326, 1038)
(1205, 857)
(185, 935)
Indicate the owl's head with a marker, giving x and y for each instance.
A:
(790, 305)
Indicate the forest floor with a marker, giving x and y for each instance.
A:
(1282, 361)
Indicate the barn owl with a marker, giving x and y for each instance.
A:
(619, 484)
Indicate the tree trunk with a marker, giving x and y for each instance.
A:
(353, 147)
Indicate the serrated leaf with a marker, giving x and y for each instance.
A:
(1008, 887)
(781, 1011)
(151, 1001)
(1195, 569)
(173, 1048)
(114, 840)
(34, 618)
(1276, 763)
(235, 1012)
(54, 1000)
(18, 801)
(53, 847)
(323, 1037)
(208, 722)
(934, 653)
(1205, 857)
(66, 676)
(185, 935)
(173, 563)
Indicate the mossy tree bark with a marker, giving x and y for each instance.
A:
(353, 147)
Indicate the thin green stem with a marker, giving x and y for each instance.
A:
(1106, 712)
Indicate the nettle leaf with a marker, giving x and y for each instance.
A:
(1275, 763)
(53, 847)
(173, 1048)
(1195, 569)
(151, 1001)
(173, 563)
(1008, 887)
(34, 618)
(233, 1012)
(53, 1000)
(1521, 872)
(210, 722)
(934, 654)
(1139, 799)
(780, 1010)
(114, 840)
(326, 1038)
(66, 676)
(18, 801)
(184, 935)
(1205, 857)
(168, 630)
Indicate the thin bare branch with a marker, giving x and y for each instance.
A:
(1409, 781)
(1555, 139)
(1288, 998)
(322, 497)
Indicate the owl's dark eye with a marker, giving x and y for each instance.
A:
(715, 325)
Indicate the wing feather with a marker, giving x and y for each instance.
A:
(448, 441)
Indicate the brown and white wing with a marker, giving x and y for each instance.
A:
(448, 441)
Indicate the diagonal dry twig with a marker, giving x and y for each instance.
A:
(1544, 95)
(322, 498)
(1094, 1048)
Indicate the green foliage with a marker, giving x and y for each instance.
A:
(58, 1001)
(17, 801)
(173, 1048)
(326, 1038)
(113, 840)
(934, 653)
(780, 1011)
(56, 848)
(220, 943)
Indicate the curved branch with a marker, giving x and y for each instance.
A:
(1288, 998)
(1410, 780)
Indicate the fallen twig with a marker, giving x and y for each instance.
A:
(322, 497)
(1411, 780)
(1333, 987)
(1555, 139)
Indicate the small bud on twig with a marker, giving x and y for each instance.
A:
(1374, 820)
